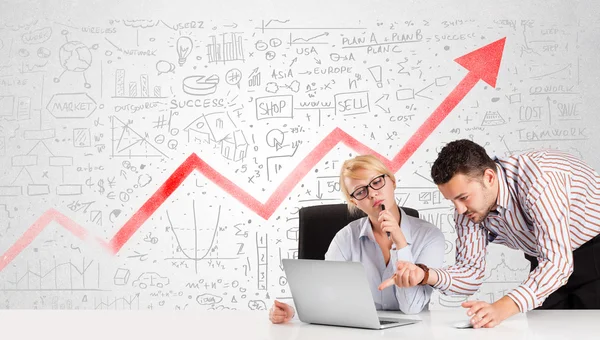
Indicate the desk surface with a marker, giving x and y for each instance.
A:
(243, 325)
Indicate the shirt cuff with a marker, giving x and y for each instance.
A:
(524, 297)
(404, 254)
(444, 279)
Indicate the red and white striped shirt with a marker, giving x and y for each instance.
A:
(548, 206)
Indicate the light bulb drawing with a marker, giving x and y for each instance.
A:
(184, 48)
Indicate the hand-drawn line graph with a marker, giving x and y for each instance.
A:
(283, 26)
(132, 302)
(502, 273)
(482, 63)
(308, 41)
(212, 249)
(61, 277)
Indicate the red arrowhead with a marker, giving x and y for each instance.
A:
(484, 62)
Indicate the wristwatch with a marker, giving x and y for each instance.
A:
(426, 270)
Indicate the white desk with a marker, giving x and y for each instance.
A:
(245, 325)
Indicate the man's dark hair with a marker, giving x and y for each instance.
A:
(460, 157)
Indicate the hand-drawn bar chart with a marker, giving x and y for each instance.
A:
(132, 90)
(229, 50)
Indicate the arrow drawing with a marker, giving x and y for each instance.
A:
(482, 63)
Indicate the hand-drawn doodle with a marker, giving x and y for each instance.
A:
(75, 57)
(122, 276)
(81, 138)
(292, 234)
(131, 91)
(352, 103)
(451, 301)
(201, 246)
(233, 77)
(126, 142)
(23, 108)
(71, 105)
(275, 139)
(66, 276)
(275, 107)
(114, 214)
(376, 73)
(257, 305)
(37, 36)
(163, 66)
(198, 131)
(272, 87)
(492, 118)
(43, 53)
(121, 303)
(208, 299)
(184, 48)
(200, 85)
(236, 142)
(254, 78)
(502, 273)
(38, 189)
(220, 125)
(23, 53)
(230, 48)
(150, 279)
(448, 247)
(262, 250)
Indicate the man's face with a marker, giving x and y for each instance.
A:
(472, 197)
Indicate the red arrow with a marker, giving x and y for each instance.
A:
(483, 63)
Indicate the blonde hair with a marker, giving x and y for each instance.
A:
(353, 165)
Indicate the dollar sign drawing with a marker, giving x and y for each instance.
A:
(101, 186)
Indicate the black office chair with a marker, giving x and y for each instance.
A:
(319, 224)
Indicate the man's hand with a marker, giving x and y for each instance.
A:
(407, 275)
(281, 312)
(488, 315)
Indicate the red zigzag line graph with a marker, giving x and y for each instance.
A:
(482, 63)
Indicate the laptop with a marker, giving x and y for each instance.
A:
(335, 293)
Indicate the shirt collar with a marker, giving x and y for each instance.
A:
(503, 199)
(366, 229)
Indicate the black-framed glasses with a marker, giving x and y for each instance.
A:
(375, 184)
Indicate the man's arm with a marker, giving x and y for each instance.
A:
(466, 275)
(463, 278)
(549, 204)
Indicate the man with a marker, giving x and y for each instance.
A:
(545, 203)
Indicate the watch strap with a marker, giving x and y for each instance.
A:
(426, 270)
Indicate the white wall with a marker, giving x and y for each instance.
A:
(98, 117)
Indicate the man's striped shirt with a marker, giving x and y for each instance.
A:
(548, 206)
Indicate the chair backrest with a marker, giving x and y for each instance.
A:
(319, 224)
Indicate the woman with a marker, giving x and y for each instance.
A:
(386, 235)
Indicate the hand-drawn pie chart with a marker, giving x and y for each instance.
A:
(200, 85)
